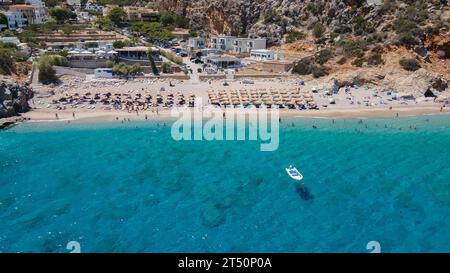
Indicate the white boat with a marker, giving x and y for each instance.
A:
(294, 173)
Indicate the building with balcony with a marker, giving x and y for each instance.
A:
(141, 14)
(196, 43)
(222, 42)
(40, 16)
(246, 45)
(16, 19)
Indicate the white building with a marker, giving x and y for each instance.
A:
(222, 42)
(13, 40)
(24, 48)
(263, 55)
(93, 7)
(246, 45)
(16, 19)
(74, 3)
(196, 43)
(39, 14)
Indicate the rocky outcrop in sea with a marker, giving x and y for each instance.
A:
(14, 98)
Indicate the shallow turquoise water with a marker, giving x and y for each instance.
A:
(131, 188)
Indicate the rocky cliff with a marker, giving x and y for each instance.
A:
(275, 18)
(14, 98)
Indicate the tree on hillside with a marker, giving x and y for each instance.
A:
(318, 30)
(152, 63)
(61, 14)
(181, 21)
(6, 62)
(47, 74)
(104, 23)
(3, 19)
(117, 15)
(51, 3)
(167, 18)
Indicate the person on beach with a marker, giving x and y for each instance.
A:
(73, 115)
(146, 117)
(396, 115)
(56, 116)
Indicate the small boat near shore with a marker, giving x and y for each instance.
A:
(294, 173)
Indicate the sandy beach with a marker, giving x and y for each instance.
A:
(58, 104)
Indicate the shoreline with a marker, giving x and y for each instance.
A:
(98, 115)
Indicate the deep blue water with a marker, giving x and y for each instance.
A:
(131, 188)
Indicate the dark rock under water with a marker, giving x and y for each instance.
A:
(304, 192)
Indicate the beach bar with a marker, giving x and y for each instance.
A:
(223, 62)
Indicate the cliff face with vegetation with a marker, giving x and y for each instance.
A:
(275, 18)
(396, 37)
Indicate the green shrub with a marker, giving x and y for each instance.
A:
(375, 59)
(342, 60)
(6, 62)
(318, 71)
(353, 48)
(410, 64)
(362, 26)
(318, 30)
(302, 67)
(91, 44)
(171, 56)
(294, 36)
(118, 44)
(116, 15)
(359, 62)
(166, 67)
(47, 74)
(323, 56)
(152, 63)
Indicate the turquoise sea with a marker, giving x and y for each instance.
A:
(117, 187)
